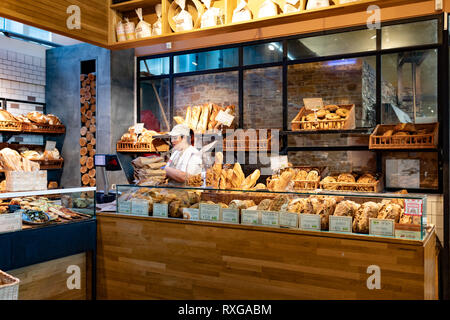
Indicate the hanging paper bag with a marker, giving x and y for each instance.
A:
(130, 31)
(290, 6)
(183, 20)
(157, 26)
(143, 29)
(241, 13)
(211, 16)
(120, 31)
(315, 4)
(267, 9)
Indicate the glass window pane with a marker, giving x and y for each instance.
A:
(263, 53)
(345, 81)
(219, 88)
(154, 67)
(332, 44)
(216, 59)
(409, 87)
(263, 98)
(409, 34)
(151, 109)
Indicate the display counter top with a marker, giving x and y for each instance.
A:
(326, 234)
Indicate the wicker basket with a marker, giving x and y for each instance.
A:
(374, 187)
(234, 144)
(42, 128)
(155, 146)
(305, 184)
(14, 126)
(416, 141)
(50, 164)
(9, 287)
(323, 125)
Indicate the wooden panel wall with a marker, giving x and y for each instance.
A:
(152, 258)
(48, 280)
(52, 15)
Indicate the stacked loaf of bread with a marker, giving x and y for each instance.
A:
(11, 160)
(148, 171)
(338, 182)
(40, 155)
(405, 129)
(144, 136)
(204, 117)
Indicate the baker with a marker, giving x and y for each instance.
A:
(185, 159)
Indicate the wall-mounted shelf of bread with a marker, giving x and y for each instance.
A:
(226, 24)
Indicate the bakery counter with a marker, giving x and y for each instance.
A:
(165, 258)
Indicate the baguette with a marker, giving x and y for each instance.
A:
(251, 180)
(178, 120)
(195, 118)
(238, 176)
(284, 180)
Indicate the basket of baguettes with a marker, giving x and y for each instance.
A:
(330, 117)
(405, 136)
(142, 142)
(353, 182)
(299, 178)
(9, 287)
(205, 117)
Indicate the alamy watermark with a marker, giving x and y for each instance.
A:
(74, 20)
(74, 280)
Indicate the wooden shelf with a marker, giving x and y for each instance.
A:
(134, 4)
(347, 9)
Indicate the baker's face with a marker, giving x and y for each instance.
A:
(176, 141)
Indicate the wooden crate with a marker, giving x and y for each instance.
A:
(14, 126)
(416, 141)
(374, 187)
(155, 146)
(323, 125)
(42, 128)
(305, 184)
(50, 164)
(26, 181)
(235, 144)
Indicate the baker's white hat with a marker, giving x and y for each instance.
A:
(180, 130)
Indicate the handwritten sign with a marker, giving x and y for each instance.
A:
(224, 118)
(381, 227)
(278, 162)
(160, 210)
(50, 145)
(313, 103)
(413, 207)
(138, 128)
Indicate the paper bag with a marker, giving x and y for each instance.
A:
(315, 4)
(130, 31)
(211, 15)
(143, 29)
(157, 26)
(290, 6)
(120, 30)
(241, 13)
(183, 20)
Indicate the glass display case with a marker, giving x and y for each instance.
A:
(33, 209)
(372, 214)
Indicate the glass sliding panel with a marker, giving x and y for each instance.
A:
(219, 88)
(209, 60)
(154, 67)
(409, 87)
(152, 109)
(332, 44)
(263, 53)
(344, 81)
(263, 98)
(409, 34)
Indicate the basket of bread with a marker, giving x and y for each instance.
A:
(303, 178)
(8, 122)
(405, 136)
(208, 117)
(48, 159)
(223, 176)
(41, 123)
(353, 182)
(143, 141)
(329, 117)
(248, 140)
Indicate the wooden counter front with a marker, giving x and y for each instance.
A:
(157, 258)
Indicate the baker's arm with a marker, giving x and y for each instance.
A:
(175, 174)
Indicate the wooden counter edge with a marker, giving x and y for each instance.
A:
(327, 234)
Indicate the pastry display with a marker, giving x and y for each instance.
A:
(204, 117)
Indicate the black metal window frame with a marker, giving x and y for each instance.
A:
(285, 63)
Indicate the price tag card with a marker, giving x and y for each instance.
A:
(250, 217)
(310, 222)
(224, 118)
(381, 227)
(340, 224)
(278, 162)
(124, 207)
(230, 215)
(270, 218)
(313, 103)
(289, 219)
(10, 222)
(50, 145)
(190, 213)
(408, 231)
(210, 212)
(139, 207)
(160, 210)
(138, 128)
(413, 207)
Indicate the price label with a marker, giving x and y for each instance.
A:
(138, 128)
(124, 207)
(224, 118)
(313, 103)
(139, 207)
(413, 207)
(230, 215)
(408, 231)
(160, 210)
(381, 227)
(310, 222)
(210, 212)
(50, 145)
(270, 218)
(278, 162)
(190, 213)
(250, 217)
(289, 219)
(340, 224)
(10, 222)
